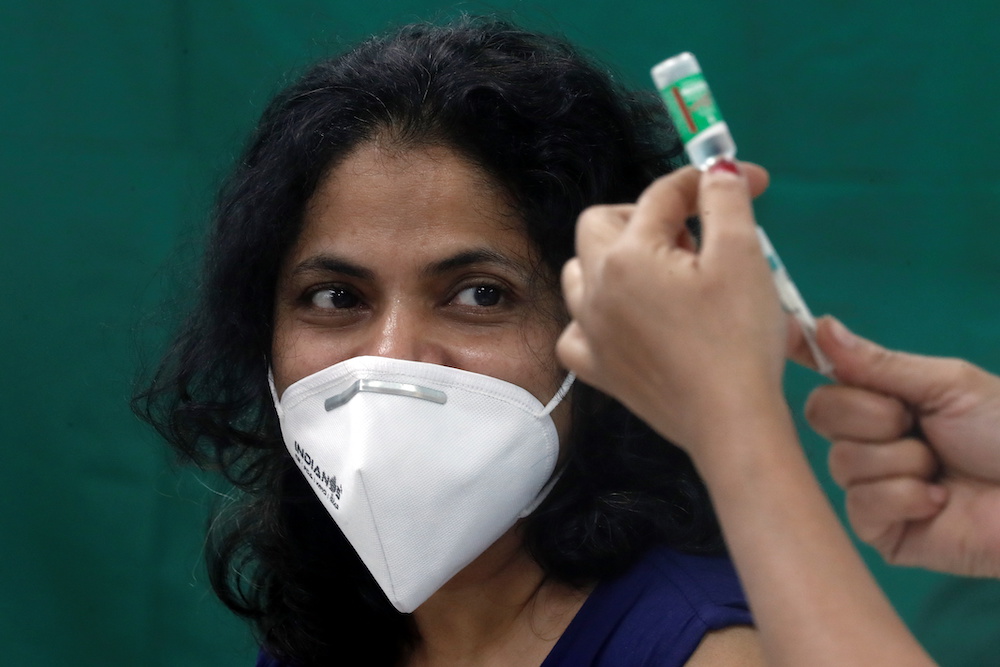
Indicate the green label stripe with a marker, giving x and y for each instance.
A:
(691, 105)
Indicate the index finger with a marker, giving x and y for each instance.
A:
(597, 227)
(665, 206)
(840, 412)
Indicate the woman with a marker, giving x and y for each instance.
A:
(403, 211)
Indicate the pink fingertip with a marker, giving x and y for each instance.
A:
(726, 165)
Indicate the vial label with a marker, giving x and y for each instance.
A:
(691, 105)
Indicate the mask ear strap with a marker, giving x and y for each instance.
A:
(560, 395)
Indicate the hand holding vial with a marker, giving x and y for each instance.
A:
(692, 338)
(693, 333)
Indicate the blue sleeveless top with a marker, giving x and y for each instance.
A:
(654, 615)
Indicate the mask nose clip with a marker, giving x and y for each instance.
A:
(383, 387)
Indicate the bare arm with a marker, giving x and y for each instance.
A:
(693, 341)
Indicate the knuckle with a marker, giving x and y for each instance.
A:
(857, 508)
(591, 213)
(960, 373)
(571, 272)
(571, 349)
(898, 419)
(592, 219)
(677, 186)
(881, 417)
(618, 264)
(839, 461)
(920, 460)
(815, 410)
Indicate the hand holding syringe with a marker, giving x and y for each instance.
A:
(707, 140)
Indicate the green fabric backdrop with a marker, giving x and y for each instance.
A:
(118, 117)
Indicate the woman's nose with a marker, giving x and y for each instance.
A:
(402, 332)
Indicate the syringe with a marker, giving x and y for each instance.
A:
(707, 140)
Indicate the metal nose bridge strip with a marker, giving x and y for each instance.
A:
(381, 387)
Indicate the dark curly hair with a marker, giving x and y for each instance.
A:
(558, 134)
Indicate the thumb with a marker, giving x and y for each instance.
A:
(915, 379)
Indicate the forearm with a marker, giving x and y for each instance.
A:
(813, 599)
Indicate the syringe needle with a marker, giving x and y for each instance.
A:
(794, 304)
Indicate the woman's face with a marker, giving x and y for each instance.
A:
(414, 254)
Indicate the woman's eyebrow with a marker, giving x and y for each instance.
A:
(476, 256)
(333, 264)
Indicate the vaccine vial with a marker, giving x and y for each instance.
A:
(693, 110)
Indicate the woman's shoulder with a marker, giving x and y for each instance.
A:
(669, 589)
(657, 613)
(704, 582)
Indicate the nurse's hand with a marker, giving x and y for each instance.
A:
(916, 446)
(687, 338)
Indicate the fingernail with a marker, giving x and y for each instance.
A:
(844, 337)
(724, 164)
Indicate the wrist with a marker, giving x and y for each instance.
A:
(745, 440)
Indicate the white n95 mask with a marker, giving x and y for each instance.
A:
(422, 466)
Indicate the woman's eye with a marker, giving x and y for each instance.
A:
(480, 295)
(335, 298)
